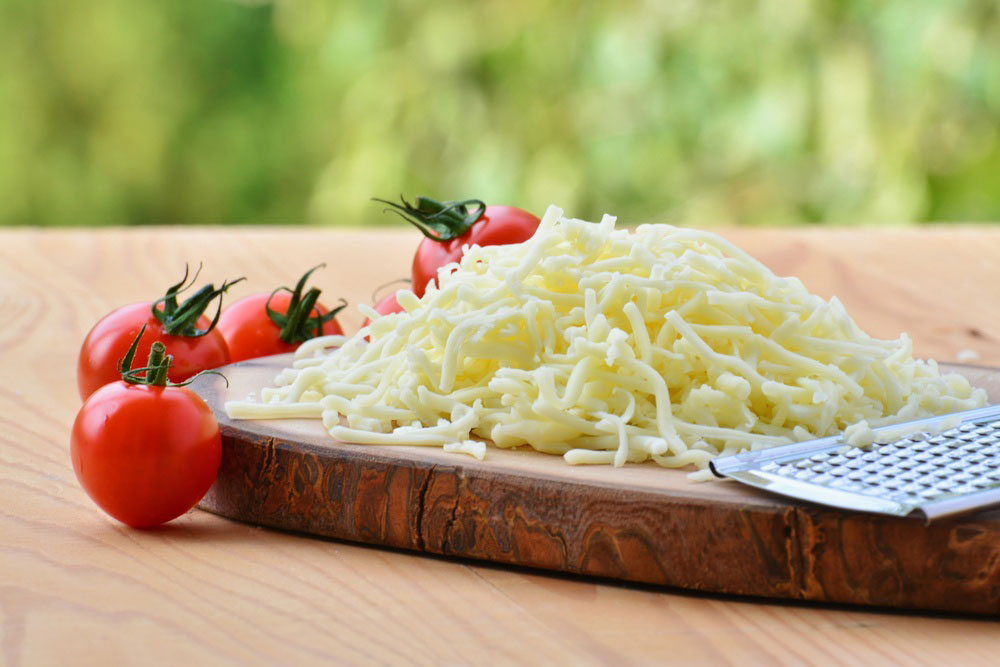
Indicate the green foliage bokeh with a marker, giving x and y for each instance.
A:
(210, 111)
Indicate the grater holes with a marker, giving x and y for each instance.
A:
(915, 470)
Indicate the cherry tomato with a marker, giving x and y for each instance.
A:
(447, 226)
(193, 341)
(108, 341)
(250, 333)
(264, 324)
(145, 452)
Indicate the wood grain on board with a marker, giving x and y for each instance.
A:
(638, 523)
(78, 588)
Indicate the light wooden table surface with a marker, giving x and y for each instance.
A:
(78, 588)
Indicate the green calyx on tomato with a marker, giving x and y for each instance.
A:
(450, 226)
(146, 449)
(181, 319)
(438, 220)
(154, 373)
(298, 324)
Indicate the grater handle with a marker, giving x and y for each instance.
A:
(961, 504)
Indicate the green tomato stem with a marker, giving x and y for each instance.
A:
(438, 220)
(155, 372)
(158, 365)
(298, 323)
(182, 319)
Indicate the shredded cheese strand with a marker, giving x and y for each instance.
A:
(609, 346)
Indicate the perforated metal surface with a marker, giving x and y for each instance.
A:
(939, 472)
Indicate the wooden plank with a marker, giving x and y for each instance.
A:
(638, 523)
(76, 587)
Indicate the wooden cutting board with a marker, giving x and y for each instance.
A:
(639, 523)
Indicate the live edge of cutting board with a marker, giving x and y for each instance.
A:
(638, 523)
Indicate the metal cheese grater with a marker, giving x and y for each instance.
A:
(932, 471)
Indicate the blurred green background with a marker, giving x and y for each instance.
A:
(212, 111)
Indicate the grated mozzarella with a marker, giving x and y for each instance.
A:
(609, 346)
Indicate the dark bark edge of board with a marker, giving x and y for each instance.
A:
(776, 549)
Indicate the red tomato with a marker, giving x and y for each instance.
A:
(449, 225)
(145, 454)
(250, 332)
(110, 338)
(264, 324)
(499, 225)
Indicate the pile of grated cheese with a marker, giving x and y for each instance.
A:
(609, 346)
